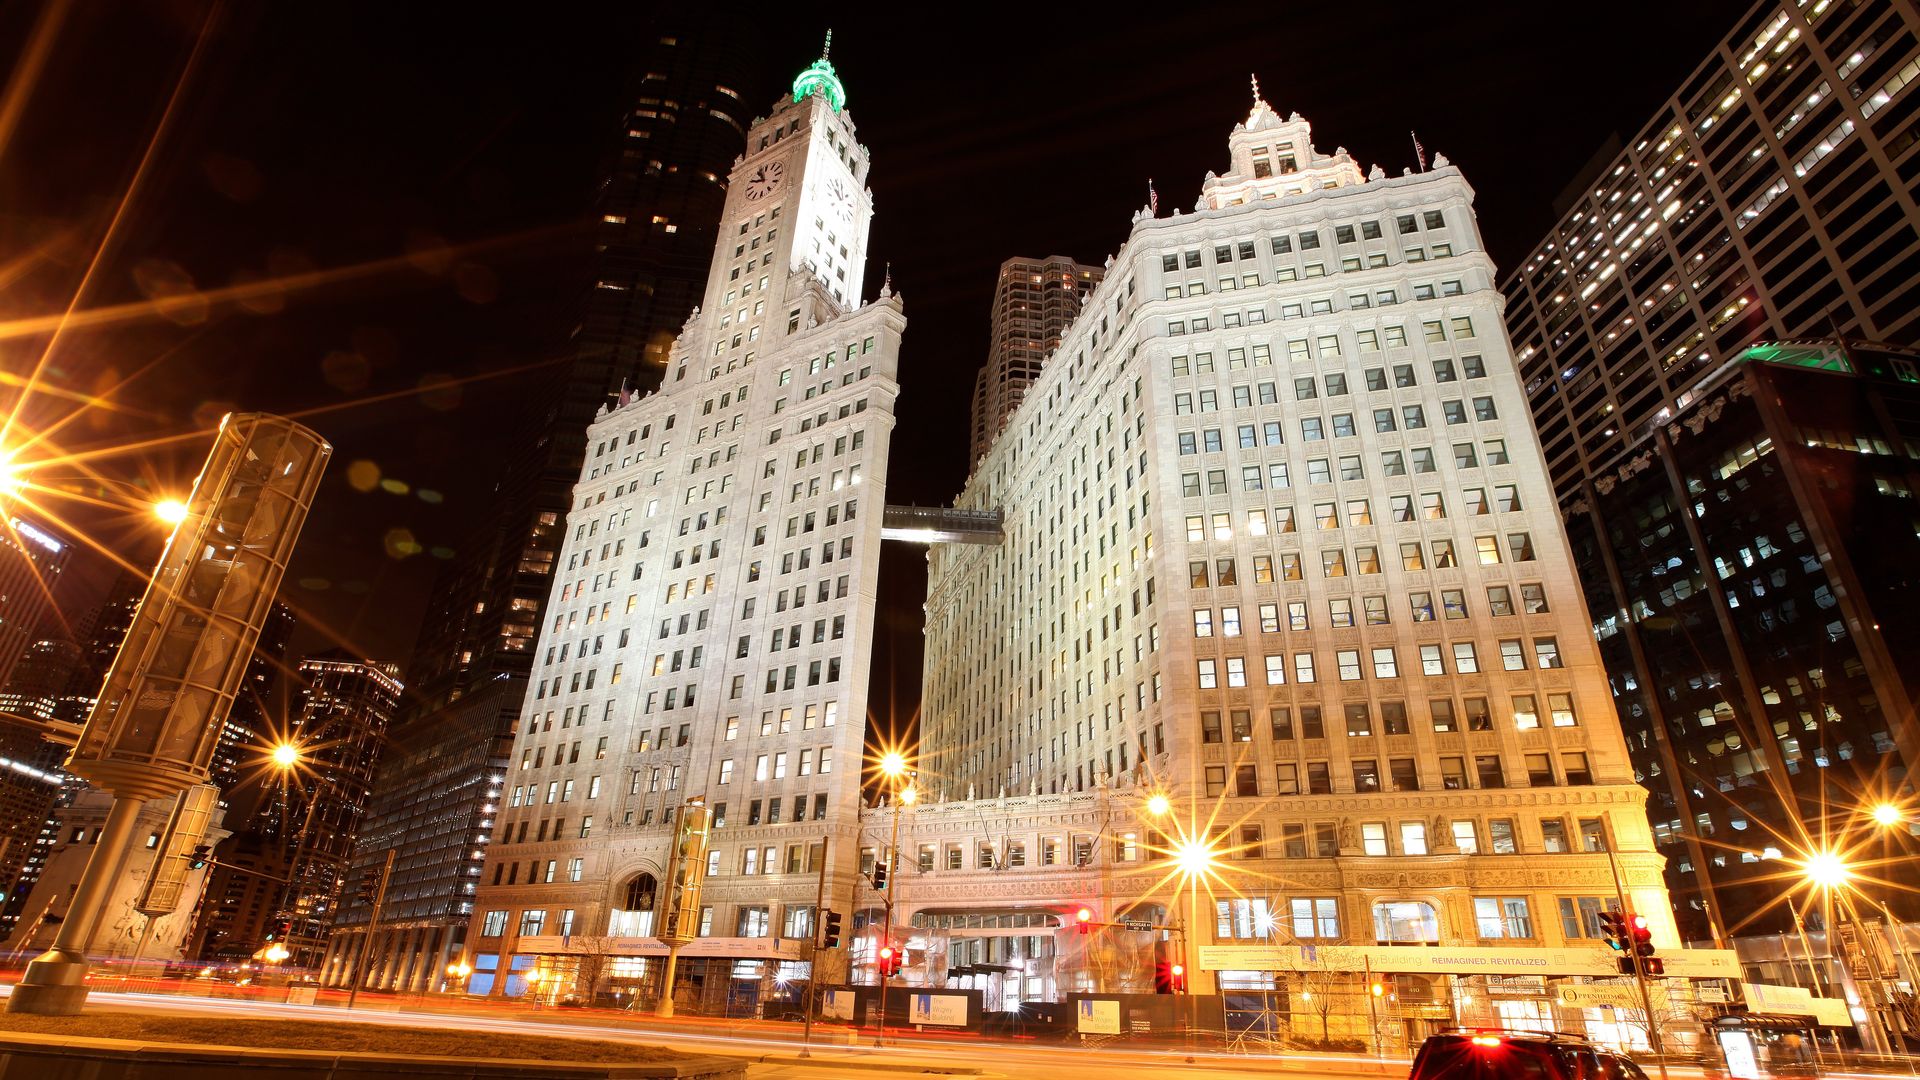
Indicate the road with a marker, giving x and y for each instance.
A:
(775, 1056)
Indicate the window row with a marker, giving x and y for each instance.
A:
(1383, 663)
(1285, 723)
(1372, 610)
(1286, 566)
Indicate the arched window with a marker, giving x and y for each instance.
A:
(1405, 922)
(634, 915)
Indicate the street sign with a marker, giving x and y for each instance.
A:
(1138, 924)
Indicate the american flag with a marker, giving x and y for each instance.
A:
(1419, 152)
(1153, 199)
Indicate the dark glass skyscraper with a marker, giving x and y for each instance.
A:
(654, 213)
(1770, 198)
(1750, 568)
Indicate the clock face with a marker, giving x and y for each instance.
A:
(764, 180)
(840, 197)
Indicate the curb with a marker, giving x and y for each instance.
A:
(872, 1066)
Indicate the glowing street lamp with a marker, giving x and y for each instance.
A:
(285, 756)
(1158, 804)
(1888, 815)
(13, 478)
(1194, 857)
(895, 767)
(1826, 870)
(171, 511)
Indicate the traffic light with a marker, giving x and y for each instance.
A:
(880, 875)
(200, 856)
(369, 885)
(1083, 919)
(1379, 988)
(889, 959)
(1177, 977)
(1162, 968)
(1642, 952)
(280, 930)
(831, 939)
(1613, 929)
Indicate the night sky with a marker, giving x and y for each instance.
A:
(430, 164)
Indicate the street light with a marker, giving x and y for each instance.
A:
(1193, 858)
(1887, 815)
(1158, 804)
(13, 479)
(171, 511)
(895, 767)
(1826, 870)
(285, 756)
(457, 973)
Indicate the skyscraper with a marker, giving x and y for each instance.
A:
(32, 560)
(315, 813)
(43, 688)
(250, 724)
(653, 217)
(713, 613)
(1034, 301)
(1769, 199)
(1279, 545)
(1748, 563)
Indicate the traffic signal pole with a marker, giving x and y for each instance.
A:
(373, 927)
(891, 863)
(813, 961)
(1633, 952)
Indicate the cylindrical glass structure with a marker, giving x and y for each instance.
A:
(160, 714)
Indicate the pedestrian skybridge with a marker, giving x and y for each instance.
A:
(940, 525)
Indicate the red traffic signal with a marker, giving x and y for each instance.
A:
(889, 960)
(1084, 920)
(1642, 950)
(1177, 978)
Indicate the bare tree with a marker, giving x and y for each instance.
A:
(592, 964)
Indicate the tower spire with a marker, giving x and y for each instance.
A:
(1257, 102)
(819, 78)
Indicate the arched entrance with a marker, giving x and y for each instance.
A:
(633, 907)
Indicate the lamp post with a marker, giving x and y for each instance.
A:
(534, 979)
(286, 757)
(1828, 872)
(1192, 858)
(893, 766)
(1888, 816)
(457, 973)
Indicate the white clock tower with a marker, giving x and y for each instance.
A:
(793, 239)
(712, 615)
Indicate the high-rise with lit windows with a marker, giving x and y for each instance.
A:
(653, 213)
(1034, 301)
(712, 614)
(1772, 198)
(1279, 543)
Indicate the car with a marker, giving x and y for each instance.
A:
(1505, 1054)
